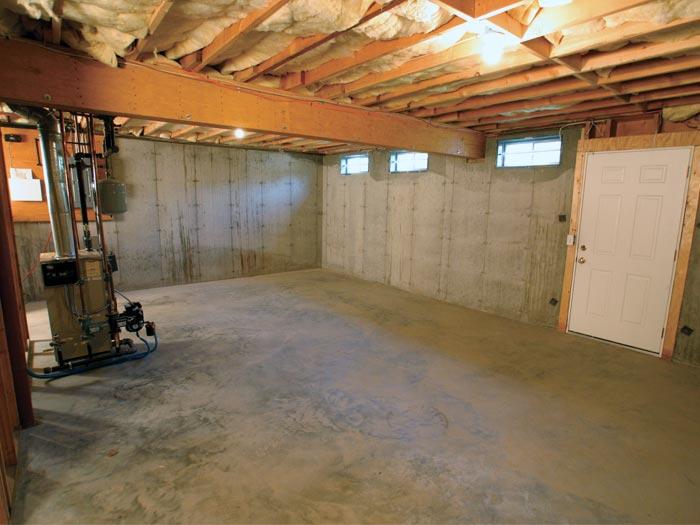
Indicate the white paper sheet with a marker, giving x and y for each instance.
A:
(25, 189)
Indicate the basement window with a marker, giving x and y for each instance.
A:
(531, 151)
(406, 161)
(354, 164)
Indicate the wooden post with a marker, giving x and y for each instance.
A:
(15, 319)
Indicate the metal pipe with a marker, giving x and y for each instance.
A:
(98, 220)
(71, 207)
(52, 158)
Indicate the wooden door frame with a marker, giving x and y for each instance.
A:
(660, 140)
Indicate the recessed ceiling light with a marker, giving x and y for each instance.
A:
(238, 133)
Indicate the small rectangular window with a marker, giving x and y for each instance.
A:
(353, 164)
(531, 151)
(405, 161)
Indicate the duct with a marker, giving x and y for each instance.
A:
(52, 161)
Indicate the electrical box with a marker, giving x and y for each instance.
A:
(112, 195)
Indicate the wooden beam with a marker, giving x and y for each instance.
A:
(570, 45)
(211, 134)
(521, 79)
(56, 23)
(182, 132)
(637, 52)
(153, 127)
(553, 19)
(303, 45)
(511, 112)
(470, 9)
(510, 61)
(14, 314)
(214, 52)
(658, 67)
(537, 92)
(372, 51)
(455, 53)
(625, 72)
(156, 18)
(557, 120)
(33, 74)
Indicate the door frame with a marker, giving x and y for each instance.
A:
(636, 142)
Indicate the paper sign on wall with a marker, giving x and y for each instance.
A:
(23, 186)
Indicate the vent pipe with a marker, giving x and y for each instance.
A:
(55, 180)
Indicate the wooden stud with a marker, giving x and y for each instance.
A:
(15, 317)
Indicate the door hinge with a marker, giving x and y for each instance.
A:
(662, 332)
(675, 254)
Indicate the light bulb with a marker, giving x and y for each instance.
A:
(238, 133)
(492, 44)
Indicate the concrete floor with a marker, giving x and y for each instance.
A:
(313, 397)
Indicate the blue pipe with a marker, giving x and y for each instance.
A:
(92, 366)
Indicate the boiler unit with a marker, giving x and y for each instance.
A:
(86, 324)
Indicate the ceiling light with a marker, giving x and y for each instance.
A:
(553, 3)
(492, 44)
(238, 133)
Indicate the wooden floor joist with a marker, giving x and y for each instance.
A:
(33, 74)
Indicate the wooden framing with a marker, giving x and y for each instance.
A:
(33, 74)
(661, 140)
(14, 315)
(156, 18)
(371, 51)
(214, 52)
(305, 44)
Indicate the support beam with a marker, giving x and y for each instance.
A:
(33, 74)
(225, 40)
(305, 44)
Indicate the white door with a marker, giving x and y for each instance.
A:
(631, 215)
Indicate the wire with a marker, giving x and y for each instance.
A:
(124, 296)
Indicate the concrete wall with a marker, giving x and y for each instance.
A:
(468, 233)
(201, 213)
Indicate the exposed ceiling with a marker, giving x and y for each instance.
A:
(575, 62)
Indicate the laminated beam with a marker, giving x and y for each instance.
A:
(33, 74)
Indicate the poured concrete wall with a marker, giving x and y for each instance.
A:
(201, 213)
(468, 233)
(486, 238)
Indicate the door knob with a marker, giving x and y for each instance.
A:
(581, 260)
